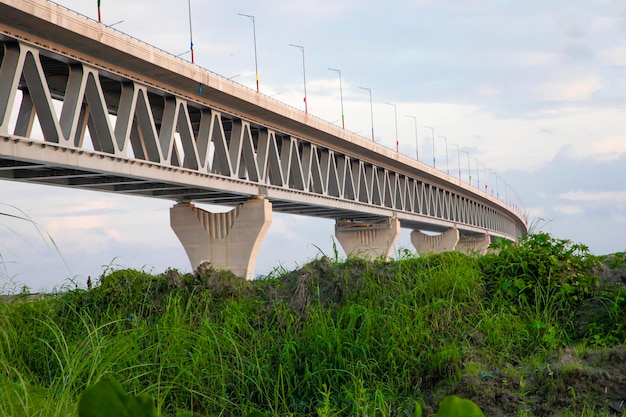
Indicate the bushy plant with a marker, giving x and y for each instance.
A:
(543, 277)
(332, 338)
(603, 319)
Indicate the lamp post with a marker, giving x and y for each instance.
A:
(432, 130)
(190, 31)
(458, 158)
(395, 112)
(343, 123)
(485, 176)
(492, 179)
(477, 174)
(497, 186)
(306, 110)
(506, 193)
(371, 109)
(256, 65)
(469, 170)
(417, 153)
(447, 161)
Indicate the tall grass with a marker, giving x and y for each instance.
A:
(333, 338)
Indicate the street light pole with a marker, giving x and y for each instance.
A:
(497, 187)
(343, 123)
(506, 193)
(256, 65)
(395, 112)
(433, 132)
(477, 174)
(371, 109)
(447, 161)
(485, 176)
(306, 109)
(458, 158)
(417, 153)
(469, 169)
(190, 32)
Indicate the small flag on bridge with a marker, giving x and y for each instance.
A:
(99, 16)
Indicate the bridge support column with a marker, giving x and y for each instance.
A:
(228, 240)
(474, 243)
(444, 242)
(368, 240)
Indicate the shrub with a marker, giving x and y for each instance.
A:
(546, 278)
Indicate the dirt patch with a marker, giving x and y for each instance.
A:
(223, 284)
(322, 281)
(571, 380)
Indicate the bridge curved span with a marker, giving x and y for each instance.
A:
(120, 116)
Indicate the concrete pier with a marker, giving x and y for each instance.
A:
(368, 241)
(444, 242)
(474, 243)
(228, 240)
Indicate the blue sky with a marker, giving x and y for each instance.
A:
(534, 90)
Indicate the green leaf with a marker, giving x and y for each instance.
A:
(256, 414)
(453, 406)
(108, 398)
(418, 410)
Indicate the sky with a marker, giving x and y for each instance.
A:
(533, 90)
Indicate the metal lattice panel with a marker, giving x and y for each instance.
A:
(131, 122)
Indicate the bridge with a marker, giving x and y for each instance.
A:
(121, 116)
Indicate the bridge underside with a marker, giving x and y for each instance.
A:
(221, 238)
(90, 170)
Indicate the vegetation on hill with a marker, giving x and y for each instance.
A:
(534, 329)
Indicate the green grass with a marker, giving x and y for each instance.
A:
(333, 338)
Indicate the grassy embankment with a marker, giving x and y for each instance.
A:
(518, 332)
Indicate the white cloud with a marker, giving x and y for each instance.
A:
(590, 196)
(487, 90)
(313, 8)
(615, 55)
(569, 90)
(609, 147)
(537, 212)
(568, 209)
(606, 23)
(526, 59)
(455, 5)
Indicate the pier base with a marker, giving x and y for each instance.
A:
(228, 240)
(444, 242)
(475, 243)
(369, 241)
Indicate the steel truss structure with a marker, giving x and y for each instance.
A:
(105, 130)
